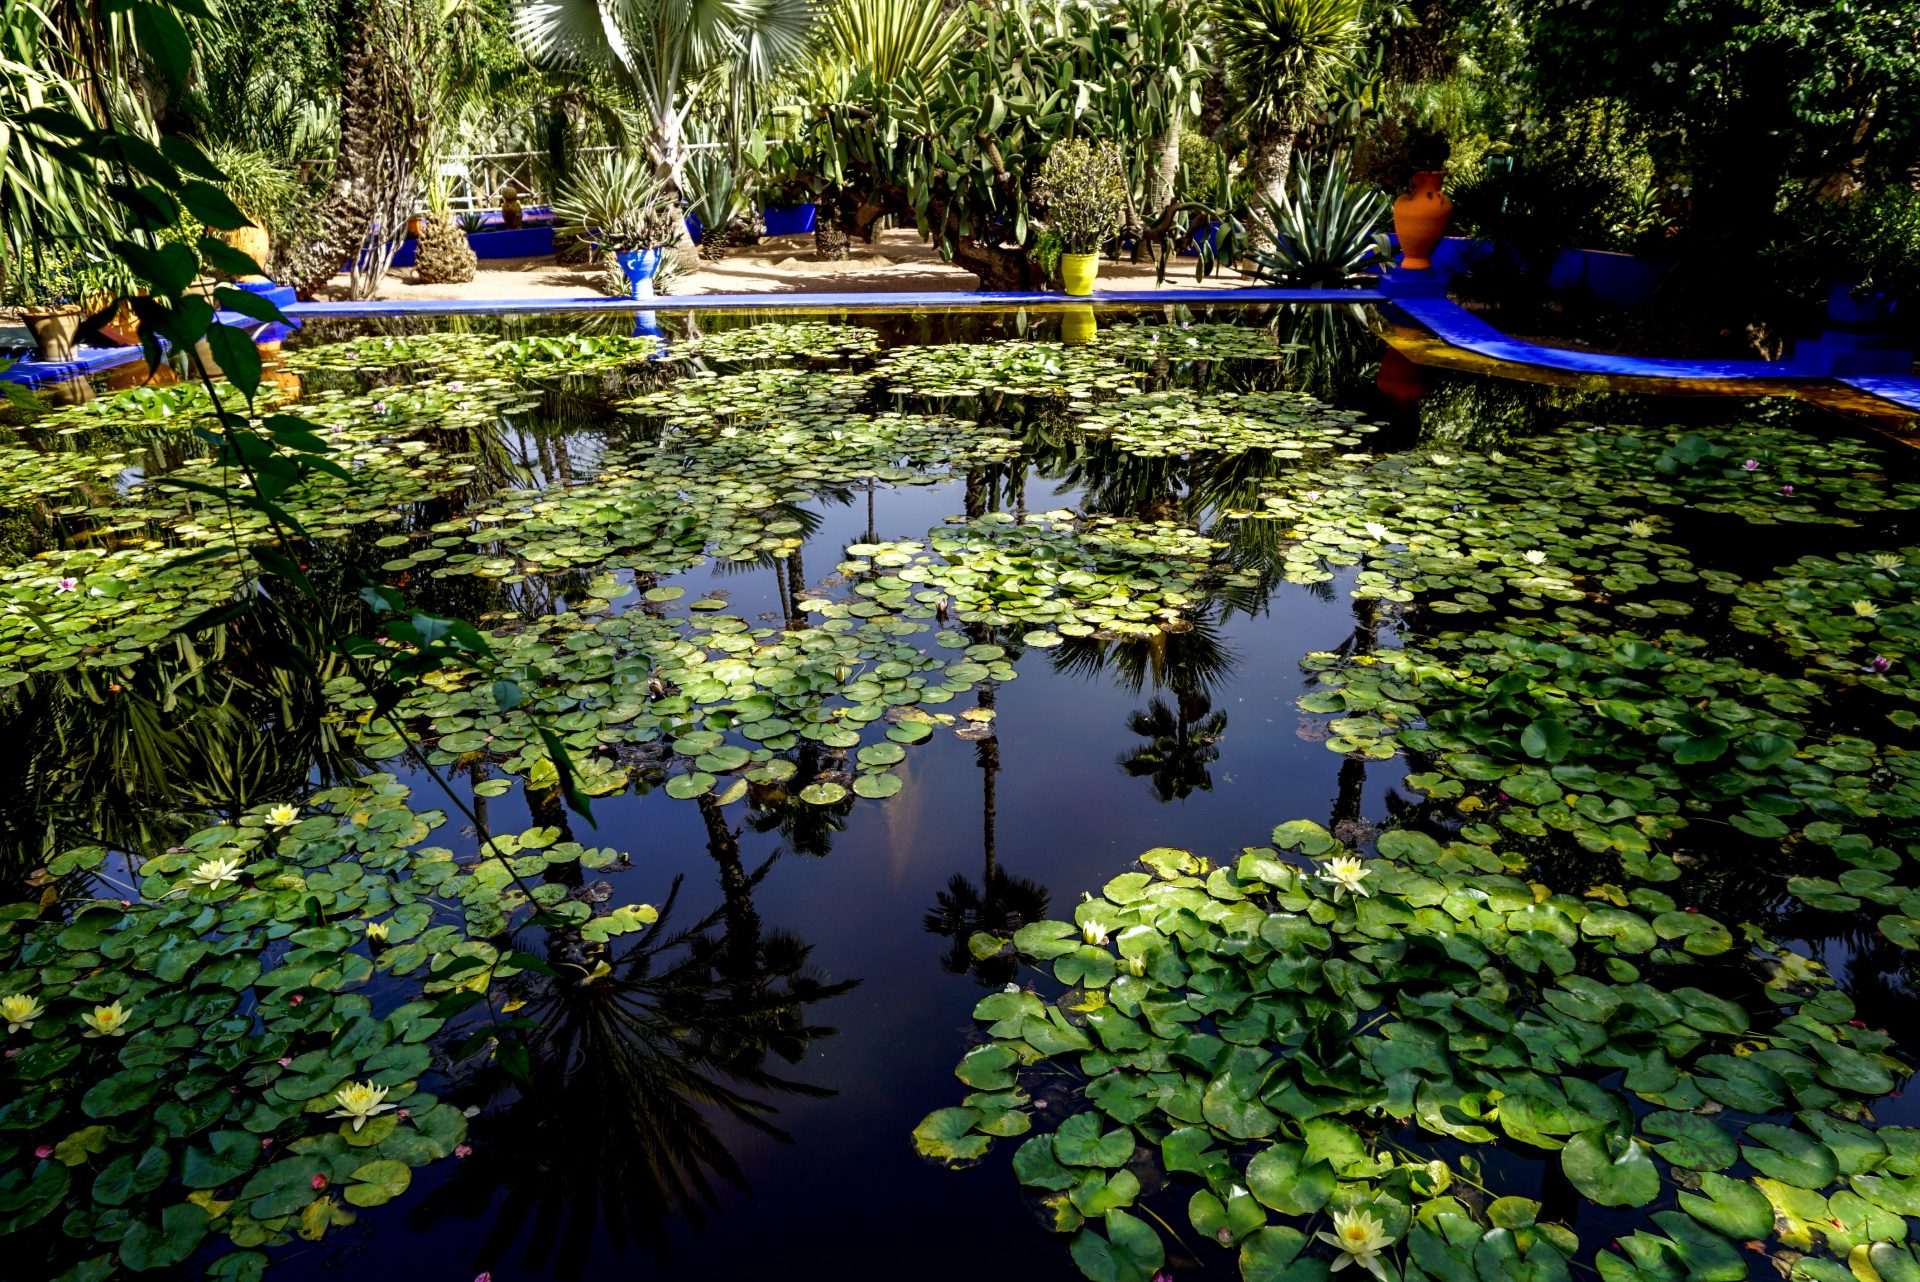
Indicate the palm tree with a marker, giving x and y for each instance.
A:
(1280, 57)
(660, 48)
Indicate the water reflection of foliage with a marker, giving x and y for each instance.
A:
(636, 1065)
(138, 759)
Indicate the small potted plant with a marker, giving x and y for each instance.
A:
(53, 288)
(1408, 160)
(615, 202)
(1082, 188)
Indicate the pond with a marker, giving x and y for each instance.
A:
(1301, 792)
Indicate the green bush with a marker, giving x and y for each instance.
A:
(1083, 187)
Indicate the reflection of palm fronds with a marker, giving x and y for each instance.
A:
(1196, 661)
(962, 910)
(629, 1075)
(1180, 746)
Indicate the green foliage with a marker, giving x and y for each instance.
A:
(615, 200)
(1324, 230)
(1081, 190)
(212, 1057)
(1280, 56)
(1393, 148)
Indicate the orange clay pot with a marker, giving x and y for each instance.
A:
(1420, 220)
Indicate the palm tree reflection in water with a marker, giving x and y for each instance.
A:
(638, 1067)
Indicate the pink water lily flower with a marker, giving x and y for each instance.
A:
(1882, 664)
(1751, 465)
(1786, 491)
(66, 585)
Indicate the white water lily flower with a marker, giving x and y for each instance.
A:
(1359, 1237)
(1441, 460)
(1346, 873)
(1378, 532)
(1866, 609)
(1888, 560)
(1640, 529)
(215, 873)
(1093, 932)
(1535, 556)
(360, 1101)
(20, 1010)
(283, 814)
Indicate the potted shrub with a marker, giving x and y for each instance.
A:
(1859, 257)
(615, 202)
(1408, 161)
(1082, 187)
(262, 189)
(53, 289)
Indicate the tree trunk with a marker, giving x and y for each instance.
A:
(1270, 163)
(381, 142)
(1163, 167)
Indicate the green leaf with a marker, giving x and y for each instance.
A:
(1283, 1177)
(1790, 1156)
(1610, 1169)
(1546, 740)
(1081, 1142)
(377, 1182)
(1129, 1252)
(944, 1134)
(1733, 1207)
(163, 1244)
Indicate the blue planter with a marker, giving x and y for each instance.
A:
(1851, 313)
(796, 220)
(639, 266)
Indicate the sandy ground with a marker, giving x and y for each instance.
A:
(898, 260)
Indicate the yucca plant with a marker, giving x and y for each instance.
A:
(1324, 229)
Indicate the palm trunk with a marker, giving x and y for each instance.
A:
(1270, 163)
(1163, 166)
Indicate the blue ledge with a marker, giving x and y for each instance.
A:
(864, 301)
(1901, 389)
(1464, 330)
(92, 360)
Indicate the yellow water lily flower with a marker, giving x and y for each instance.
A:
(1866, 609)
(20, 1010)
(107, 1021)
(215, 873)
(376, 932)
(1359, 1237)
(1093, 932)
(1888, 560)
(1346, 873)
(1640, 529)
(283, 814)
(360, 1101)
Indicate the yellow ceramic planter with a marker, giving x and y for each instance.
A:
(1078, 272)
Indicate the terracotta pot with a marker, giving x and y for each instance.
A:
(511, 214)
(1420, 220)
(53, 330)
(253, 242)
(414, 226)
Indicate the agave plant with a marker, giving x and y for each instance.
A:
(1323, 230)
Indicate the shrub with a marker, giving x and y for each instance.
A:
(1083, 188)
(1392, 149)
(616, 201)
